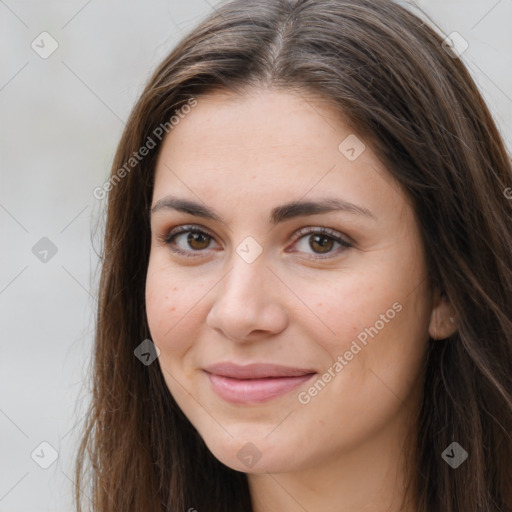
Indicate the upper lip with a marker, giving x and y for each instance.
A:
(256, 370)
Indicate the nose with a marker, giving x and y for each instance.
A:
(248, 303)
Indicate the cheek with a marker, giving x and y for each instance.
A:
(375, 360)
(161, 305)
(351, 306)
(379, 317)
(172, 309)
(171, 305)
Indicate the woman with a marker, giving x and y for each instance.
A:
(305, 300)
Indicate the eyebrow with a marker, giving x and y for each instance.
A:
(279, 214)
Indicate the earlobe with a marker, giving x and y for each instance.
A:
(443, 320)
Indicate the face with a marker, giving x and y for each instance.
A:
(286, 286)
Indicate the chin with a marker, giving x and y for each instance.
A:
(257, 456)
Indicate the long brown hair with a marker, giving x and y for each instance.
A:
(391, 79)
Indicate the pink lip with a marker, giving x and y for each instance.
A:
(255, 382)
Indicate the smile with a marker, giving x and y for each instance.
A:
(255, 383)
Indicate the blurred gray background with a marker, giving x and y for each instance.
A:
(62, 111)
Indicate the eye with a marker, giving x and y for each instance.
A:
(321, 241)
(185, 240)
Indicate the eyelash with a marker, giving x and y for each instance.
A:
(169, 237)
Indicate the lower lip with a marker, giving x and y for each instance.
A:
(242, 391)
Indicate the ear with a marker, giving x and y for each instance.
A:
(443, 321)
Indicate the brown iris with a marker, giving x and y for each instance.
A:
(200, 239)
(324, 243)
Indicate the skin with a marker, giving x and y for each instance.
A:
(242, 156)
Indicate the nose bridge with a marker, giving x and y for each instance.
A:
(247, 277)
(243, 304)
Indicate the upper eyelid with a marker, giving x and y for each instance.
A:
(334, 233)
(184, 228)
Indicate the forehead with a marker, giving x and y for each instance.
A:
(268, 143)
(262, 124)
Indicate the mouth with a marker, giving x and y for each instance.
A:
(255, 383)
